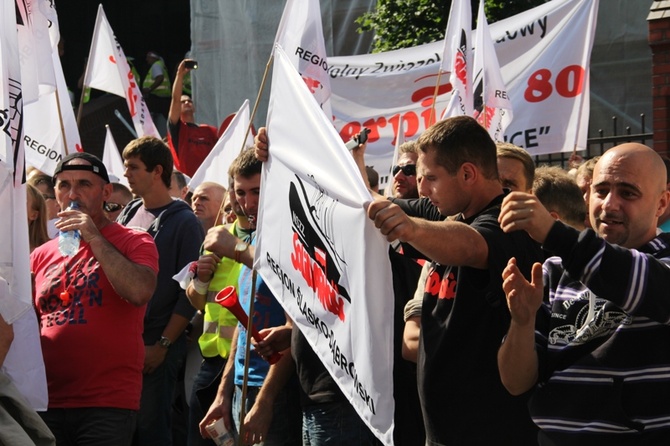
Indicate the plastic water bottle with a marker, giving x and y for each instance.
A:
(68, 241)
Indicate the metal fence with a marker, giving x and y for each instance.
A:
(599, 144)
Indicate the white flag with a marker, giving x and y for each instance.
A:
(457, 56)
(51, 130)
(320, 254)
(227, 148)
(12, 157)
(495, 111)
(35, 48)
(300, 33)
(111, 158)
(108, 70)
(15, 289)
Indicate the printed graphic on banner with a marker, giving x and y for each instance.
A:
(314, 254)
(319, 253)
(544, 58)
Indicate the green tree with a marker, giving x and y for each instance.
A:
(407, 23)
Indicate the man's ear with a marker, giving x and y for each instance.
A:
(469, 172)
(107, 190)
(663, 203)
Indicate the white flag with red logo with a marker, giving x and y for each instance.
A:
(494, 111)
(108, 70)
(111, 158)
(15, 289)
(457, 56)
(320, 254)
(227, 148)
(300, 33)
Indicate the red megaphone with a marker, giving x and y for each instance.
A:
(227, 298)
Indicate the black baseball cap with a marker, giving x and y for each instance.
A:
(96, 165)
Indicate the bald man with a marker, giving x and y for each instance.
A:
(207, 203)
(597, 351)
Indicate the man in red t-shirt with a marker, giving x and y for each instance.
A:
(189, 142)
(91, 309)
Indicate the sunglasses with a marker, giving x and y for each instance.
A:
(409, 170)
(48, 197)
(113, 207)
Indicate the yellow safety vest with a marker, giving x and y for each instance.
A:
(219, 323)
(163, 90)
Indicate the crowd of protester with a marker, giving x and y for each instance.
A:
(529, 302)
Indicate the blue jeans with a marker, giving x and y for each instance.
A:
(285, 427)
(91, 426)
(208, 377)
(334, 424)
(154, 420)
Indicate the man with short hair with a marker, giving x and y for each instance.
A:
(91, 308)
(272, 407)
(189, 142)
(206, 204)
(560, 195)
(404, 184)
(178, 236)
(589, 334)
(516, 168)
(463, 316)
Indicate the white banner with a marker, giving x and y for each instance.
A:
(457, 58)
(35, 48)
(227, 148)
(544, 58)
(108, 70)
(111, 158)
(50, 126)
(319, 253)
(15, 291)
(300, 33)
(495, 111)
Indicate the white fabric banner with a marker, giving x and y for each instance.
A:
(319, 253)
(51, 130)
(457, 56)
(300, 33)
(111, 158)
(495, 112)
(227, 148)
(35, 48)
(15, 287)
(544, 57)
(108, 70)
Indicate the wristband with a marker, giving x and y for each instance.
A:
(200, 286)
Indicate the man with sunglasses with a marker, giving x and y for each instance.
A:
(190, 143)
(404, 172)
(120, 197)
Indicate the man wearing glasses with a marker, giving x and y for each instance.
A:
(190, 143)
(404, 172)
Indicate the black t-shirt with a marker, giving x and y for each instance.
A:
(464, 318)
(315, 382)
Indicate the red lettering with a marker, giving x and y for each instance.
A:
(316, 279)
(447, 287)
(433, 283)
(312, 84)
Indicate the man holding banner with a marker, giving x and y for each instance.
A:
(271, 404)
(464, 316)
